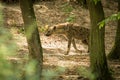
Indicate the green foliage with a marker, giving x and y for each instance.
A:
(30, 69)
(6, 72)
(1, 16)
(95, 1)
(50, 74)
(7, 48)
(71, 18)
(86, 73)
(111, 18)
(67, 8)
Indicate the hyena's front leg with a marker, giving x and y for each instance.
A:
(69, 45)
(74, 45)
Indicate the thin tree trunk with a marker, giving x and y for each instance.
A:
(32, 34)
(98, 60)
(115, 52)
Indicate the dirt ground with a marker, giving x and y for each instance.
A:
(54, 47)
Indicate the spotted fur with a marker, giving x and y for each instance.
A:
(71, 31)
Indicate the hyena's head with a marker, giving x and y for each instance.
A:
(58, 29)
(50, 31)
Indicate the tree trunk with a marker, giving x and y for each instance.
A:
(32, 35)
(98, 60)
(115, 52)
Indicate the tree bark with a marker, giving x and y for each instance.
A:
(32, 34)
(115, 52)
(98, 62)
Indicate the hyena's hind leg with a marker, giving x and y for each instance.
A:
(86, 42)
(75, 47)
(69, 45)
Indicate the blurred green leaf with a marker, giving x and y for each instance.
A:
(113, 17)
(95, 1)
(71, 18)
(85, 73)
(67, 8)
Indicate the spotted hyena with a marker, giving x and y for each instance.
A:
(71, 31)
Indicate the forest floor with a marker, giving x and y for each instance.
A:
(55, 46)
